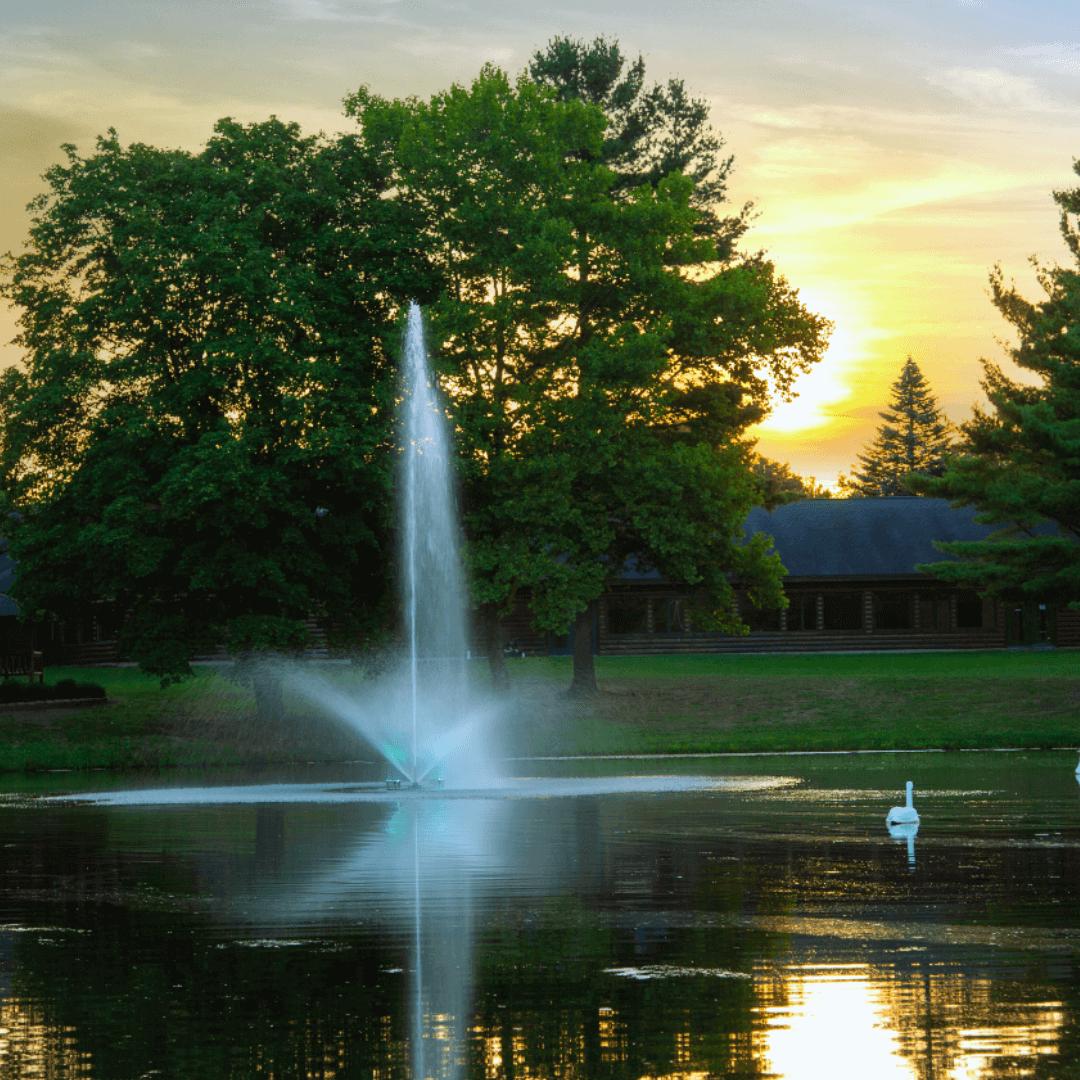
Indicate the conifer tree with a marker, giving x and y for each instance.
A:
(1019, 462)
(914, 439)
(651, 132)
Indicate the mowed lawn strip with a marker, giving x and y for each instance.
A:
(140, 726)
(827, 702)
(646, 705)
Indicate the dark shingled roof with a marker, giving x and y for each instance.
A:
(863, 537)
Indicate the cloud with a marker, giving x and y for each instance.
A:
(138, 51)
(33, 137)
(861, 191)
(486, 54)
(993, 88)
(1061, 55)
(330, 11)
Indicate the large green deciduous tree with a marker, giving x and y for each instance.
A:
(199, 432)
(913, 440)
(1019, 462)
(599, 362)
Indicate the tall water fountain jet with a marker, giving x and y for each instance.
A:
(433, 592)
(423, 716)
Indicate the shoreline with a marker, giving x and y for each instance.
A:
(268, 763)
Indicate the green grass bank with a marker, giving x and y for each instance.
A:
(646, 705)
(913, 701)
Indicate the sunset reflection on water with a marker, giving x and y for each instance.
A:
(684, 931)
(833, 1023)
(841, 1021)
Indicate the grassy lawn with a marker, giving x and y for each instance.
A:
(841, 702)
(209, 719)
(646, 705)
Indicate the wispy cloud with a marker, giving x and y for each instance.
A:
(859, 197)
(332, 11)
(1061, 55)
(994, 88)
(138, 51)
(481, 54)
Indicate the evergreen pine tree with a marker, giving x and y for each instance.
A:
(914, 439)
(1019, 463)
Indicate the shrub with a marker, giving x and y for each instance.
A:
(12, 691)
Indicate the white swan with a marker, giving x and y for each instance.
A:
(903, 815)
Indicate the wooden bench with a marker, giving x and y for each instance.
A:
(18, 657)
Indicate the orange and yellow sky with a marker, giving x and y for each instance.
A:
(896, 149)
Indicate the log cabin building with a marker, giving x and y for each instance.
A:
(852, 585)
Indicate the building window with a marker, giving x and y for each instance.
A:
(675, 615)
(969, 611)
(933, 612)
(893, 610)
(843, 611)
(758, 619)
(802, 612)
(627, 615)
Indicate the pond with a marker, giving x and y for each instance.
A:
(678, 918)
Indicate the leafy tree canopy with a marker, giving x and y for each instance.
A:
(778, 485)
(598, 388)
(1019, 461)
(198, 433)
(914, 439)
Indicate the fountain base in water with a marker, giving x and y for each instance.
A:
(393, 783)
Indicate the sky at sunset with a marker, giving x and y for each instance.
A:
(895, 150)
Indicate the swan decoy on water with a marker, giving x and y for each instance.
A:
(903, 815)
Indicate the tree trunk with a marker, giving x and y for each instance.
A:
(500, 677)
(584, 666)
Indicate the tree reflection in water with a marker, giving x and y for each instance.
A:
(676, 935)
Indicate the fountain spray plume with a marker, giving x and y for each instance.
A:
(423, 717)
(433, 592)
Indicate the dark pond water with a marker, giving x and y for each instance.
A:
(692, 918)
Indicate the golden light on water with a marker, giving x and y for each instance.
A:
(32, 1046)
(837, 1021)
(834, 1026)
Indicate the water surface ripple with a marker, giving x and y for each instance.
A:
(707, 918)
